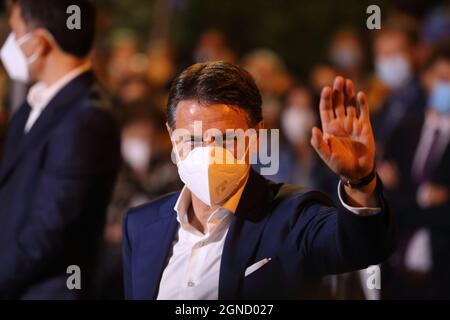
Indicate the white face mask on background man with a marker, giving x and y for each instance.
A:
(14, 60)
(208, 177)
(345, 57)
(136, 152)
(297, 124)
(394, 71)
(439, 98)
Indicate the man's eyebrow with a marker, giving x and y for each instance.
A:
(225, 136)
(192, 138)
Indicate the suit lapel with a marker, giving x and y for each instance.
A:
(154, 248)
(54, 111)
(244, 234)
(15, 133)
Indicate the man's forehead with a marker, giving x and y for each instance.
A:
(214, 116)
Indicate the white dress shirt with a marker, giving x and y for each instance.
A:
(433, 123)
(40, 94)
(193, 268)
(192, 272)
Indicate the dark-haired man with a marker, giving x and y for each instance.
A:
(395, 65)
(62, 155)
(423, 182)
(231, 234)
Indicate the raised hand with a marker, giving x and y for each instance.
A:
(346, 144)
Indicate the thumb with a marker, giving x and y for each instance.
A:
(319, 144)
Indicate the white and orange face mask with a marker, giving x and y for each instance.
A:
(212, 173)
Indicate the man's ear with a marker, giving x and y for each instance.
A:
(44, 42)
(260, 125)
(255, 142)
(169, 130)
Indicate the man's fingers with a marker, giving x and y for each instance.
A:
(338, 97)
(350, 99)
(364, 115)
(325, 106)
(319, 144)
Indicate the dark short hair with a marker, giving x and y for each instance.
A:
(52, 15)
(440, 52)
(216, 82)
(400, 24)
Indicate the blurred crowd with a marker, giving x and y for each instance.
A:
(405, 70)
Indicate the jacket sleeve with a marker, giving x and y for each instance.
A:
(85, 149)
(126, 257)
(336, 240)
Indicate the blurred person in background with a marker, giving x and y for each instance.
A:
(212, 46)
(147, 173)
(418, 174)
(133, 89)
(144, 76)
(299, 163)
(62, 155)
(321, 75)
(5, 87)
(161, 66)
(435, 29)
(124, 46)
(273, 80)
(396, 67)
(160, 72)
(346, 55)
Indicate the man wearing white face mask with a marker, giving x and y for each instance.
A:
(232, 234)
(61, 158)
(299, 164)
(395, 66)
(422, 190)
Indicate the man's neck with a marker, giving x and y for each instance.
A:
(199, 213)
(58, 68)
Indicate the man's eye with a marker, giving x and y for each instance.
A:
(231, 138)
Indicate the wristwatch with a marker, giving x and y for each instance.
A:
(362, 182)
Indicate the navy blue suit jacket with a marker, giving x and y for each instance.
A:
(55, 183)
(300, 230)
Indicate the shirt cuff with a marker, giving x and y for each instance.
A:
(360, 211)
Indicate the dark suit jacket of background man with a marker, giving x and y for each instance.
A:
(411, 218)
(55, 183)
(301, 231)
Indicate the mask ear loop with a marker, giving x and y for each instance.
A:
(177, 155)
(27, 37)
(176, 152)
(32, 58)
(247, 151)
(245, 154)
(23, 40)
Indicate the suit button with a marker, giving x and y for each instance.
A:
(191, 284)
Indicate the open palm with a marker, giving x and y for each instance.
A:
(346, 144)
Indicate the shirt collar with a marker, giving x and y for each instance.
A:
(229, 207)
(41, 94)
(437, 122)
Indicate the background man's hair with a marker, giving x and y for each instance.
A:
(216, 82)
(400, 23)
(440, 52)
(52, 15)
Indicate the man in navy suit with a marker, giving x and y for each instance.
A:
(230, 233)
(62, 155)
